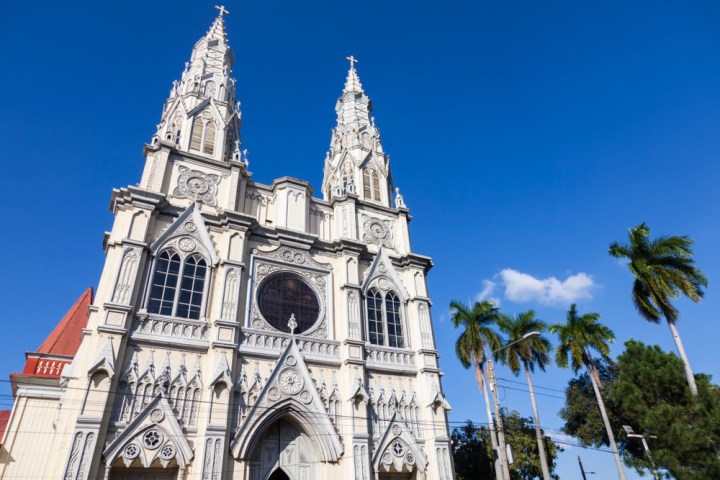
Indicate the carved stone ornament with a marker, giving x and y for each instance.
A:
(290, 381)
(157, 415)
(377, 231)
(197, 185)
(292, 256)
(186, 244)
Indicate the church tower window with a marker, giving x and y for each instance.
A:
(371, 185)
(178, 295)
(384, 316)
(203, 136)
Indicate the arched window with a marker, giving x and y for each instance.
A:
(371, 185)
(174, 294)
(375, 320)
(203, 136)
(162, 295)
(394, 326)
(209, 88)
(384, 316)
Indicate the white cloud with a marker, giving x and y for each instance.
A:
(487, 291)
(566, 442)
(524, 288)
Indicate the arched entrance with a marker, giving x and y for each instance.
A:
(279, 474)
(284, 452)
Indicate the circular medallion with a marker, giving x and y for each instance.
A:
(377, 230)
(387, 458)
(197, 185)
(320, 280)
(382, 268)
(299, 258)
(152, 439)
(305, 396)
(186, 244)
(157, 415)
(190, 227)
(290, 381)
(384, 284)
(291, 360)
(396, 429)
(131, 451)
(287, 256)
(262, 269)
(410, 459)
(167, 452)
(273, 393)
(398, 448)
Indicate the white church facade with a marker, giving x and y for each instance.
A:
(241, 330)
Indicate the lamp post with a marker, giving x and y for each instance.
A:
(500, 428)
(631, 434)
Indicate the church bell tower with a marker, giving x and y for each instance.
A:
(241, 330)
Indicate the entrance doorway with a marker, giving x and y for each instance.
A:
(284, 452)
(279, 474)
(143, 474)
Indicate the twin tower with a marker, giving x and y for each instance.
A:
(241, 330)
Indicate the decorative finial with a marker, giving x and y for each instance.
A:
(399, 200)
(352, 61)
(292, 324)
(222, 10)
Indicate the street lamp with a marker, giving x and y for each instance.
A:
(502, 446)
(631, 434)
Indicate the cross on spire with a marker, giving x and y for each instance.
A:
(222, 10)
(352, 61)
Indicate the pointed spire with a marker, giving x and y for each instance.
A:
(205, 79)
(356, 163)
(352, 83)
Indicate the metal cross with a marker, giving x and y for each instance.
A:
(222, 10)
(352, 61)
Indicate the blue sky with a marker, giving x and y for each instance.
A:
(525, 137)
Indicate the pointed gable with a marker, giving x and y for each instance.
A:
(289, 392)
(382, 269)
(189, 224)
(154, 435)
(397, 450)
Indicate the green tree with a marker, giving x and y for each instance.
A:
(663, 269)
(646, 391)
(472, 450)
(478, 322)
(528, 352)
(578, 336)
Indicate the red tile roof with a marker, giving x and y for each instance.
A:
(65, 338)
(4, 418)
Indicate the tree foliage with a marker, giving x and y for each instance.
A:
(473, 456)
(646, 390)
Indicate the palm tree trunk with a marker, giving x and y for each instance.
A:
(611, 437)
(683, 356)
(482, 385)
(538, 432)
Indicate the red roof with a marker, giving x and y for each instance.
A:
(4, 417)
(65, 338)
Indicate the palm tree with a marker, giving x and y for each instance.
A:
(528, 352)
(579, 335)
(478, 321)
(663, 269)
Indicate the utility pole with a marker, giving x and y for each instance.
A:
(581, 468)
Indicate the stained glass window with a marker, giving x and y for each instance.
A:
(285, 294)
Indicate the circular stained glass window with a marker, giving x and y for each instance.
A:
(285, 294)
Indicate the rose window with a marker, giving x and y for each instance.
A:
(286, 294)
(152, 439)
(167, 452)
(398, 448)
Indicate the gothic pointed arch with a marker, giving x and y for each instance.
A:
(153, 436)
(382, 268)
(289, 393)
(398, 451)
(189, 225)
